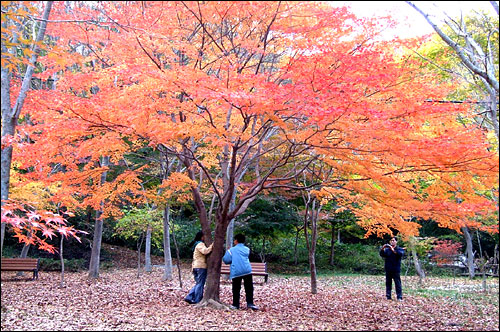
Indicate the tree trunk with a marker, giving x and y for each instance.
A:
(95, 257)
(148, 267)
(470, 253)
(178, 258)
(62, 260)
(139, 247)
(295, 247)
(214, 261)
(24, 254)
(418, 268)
(167, 255)
(312, 252)
(10, 115)
(229, 240)
(332, 246)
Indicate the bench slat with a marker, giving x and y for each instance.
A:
(21, 264)
(259, 269)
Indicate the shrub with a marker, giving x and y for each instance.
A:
(70, 265)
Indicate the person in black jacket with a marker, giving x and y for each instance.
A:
(392, 255)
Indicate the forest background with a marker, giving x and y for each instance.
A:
(291, 122)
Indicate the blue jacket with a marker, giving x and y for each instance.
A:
(392, 259)
(237, 256)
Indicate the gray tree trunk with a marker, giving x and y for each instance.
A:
(62, 260)
(418, 267)
(167, 254)
(332, 246)
(10, 115)
(148, 267)
(95, 257)
(470, 253)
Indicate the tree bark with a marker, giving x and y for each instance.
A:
(10, 115)
(470, 253)
(332, 246)
(418, 267)
(167, 254)
(95, 257)
(148, 267)
(62, 260)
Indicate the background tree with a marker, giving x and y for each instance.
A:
(14, 38)
(474, 41)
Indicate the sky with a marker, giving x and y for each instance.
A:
(415, 23)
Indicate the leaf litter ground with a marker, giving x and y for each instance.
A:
(120, 301)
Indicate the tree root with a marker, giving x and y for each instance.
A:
(212, 304)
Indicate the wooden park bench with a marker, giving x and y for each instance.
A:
(258, 269)
(21, 264)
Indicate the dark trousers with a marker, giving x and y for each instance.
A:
(248, 283)
(389, 276)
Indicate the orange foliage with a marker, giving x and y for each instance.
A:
(258, 89)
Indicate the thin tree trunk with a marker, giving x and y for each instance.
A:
(95, 257)
(418, 268)
(10, 115)
(470, 253)
(24, 253)
(62, 261)
(296, 244)
(148, 267)
(139, 247)
(167, 255)
(332, 246)
(178, 258)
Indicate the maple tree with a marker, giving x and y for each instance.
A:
(30, 224)
(246, 96)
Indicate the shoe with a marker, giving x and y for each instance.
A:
(253, 307)
(389, 299)
(232, 307)
(400, 300)
(189, 301)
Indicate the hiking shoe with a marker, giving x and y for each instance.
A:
(253, 307)
(232, 307)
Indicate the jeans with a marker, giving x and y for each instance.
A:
(248, 283)
(389, 275)
(196, 293)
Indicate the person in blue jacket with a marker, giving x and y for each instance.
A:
(240, 269)
(392, 255)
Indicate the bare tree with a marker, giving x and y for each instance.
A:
(476, 56)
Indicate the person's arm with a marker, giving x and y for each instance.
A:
(203, 248)
(382, 250)
(228, 258)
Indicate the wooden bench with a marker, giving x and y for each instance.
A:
(21, 264)
(258, 269)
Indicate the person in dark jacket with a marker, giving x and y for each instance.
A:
(392, 255)
(240, 270)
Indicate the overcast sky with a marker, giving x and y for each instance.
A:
(414, 23)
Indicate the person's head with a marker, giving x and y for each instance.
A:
(199, 236)
(239, 238)
(393, 242)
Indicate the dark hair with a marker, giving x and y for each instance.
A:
(197, 238)
(240, 238)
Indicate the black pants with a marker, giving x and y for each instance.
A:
(389, 275)
(248, 283)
